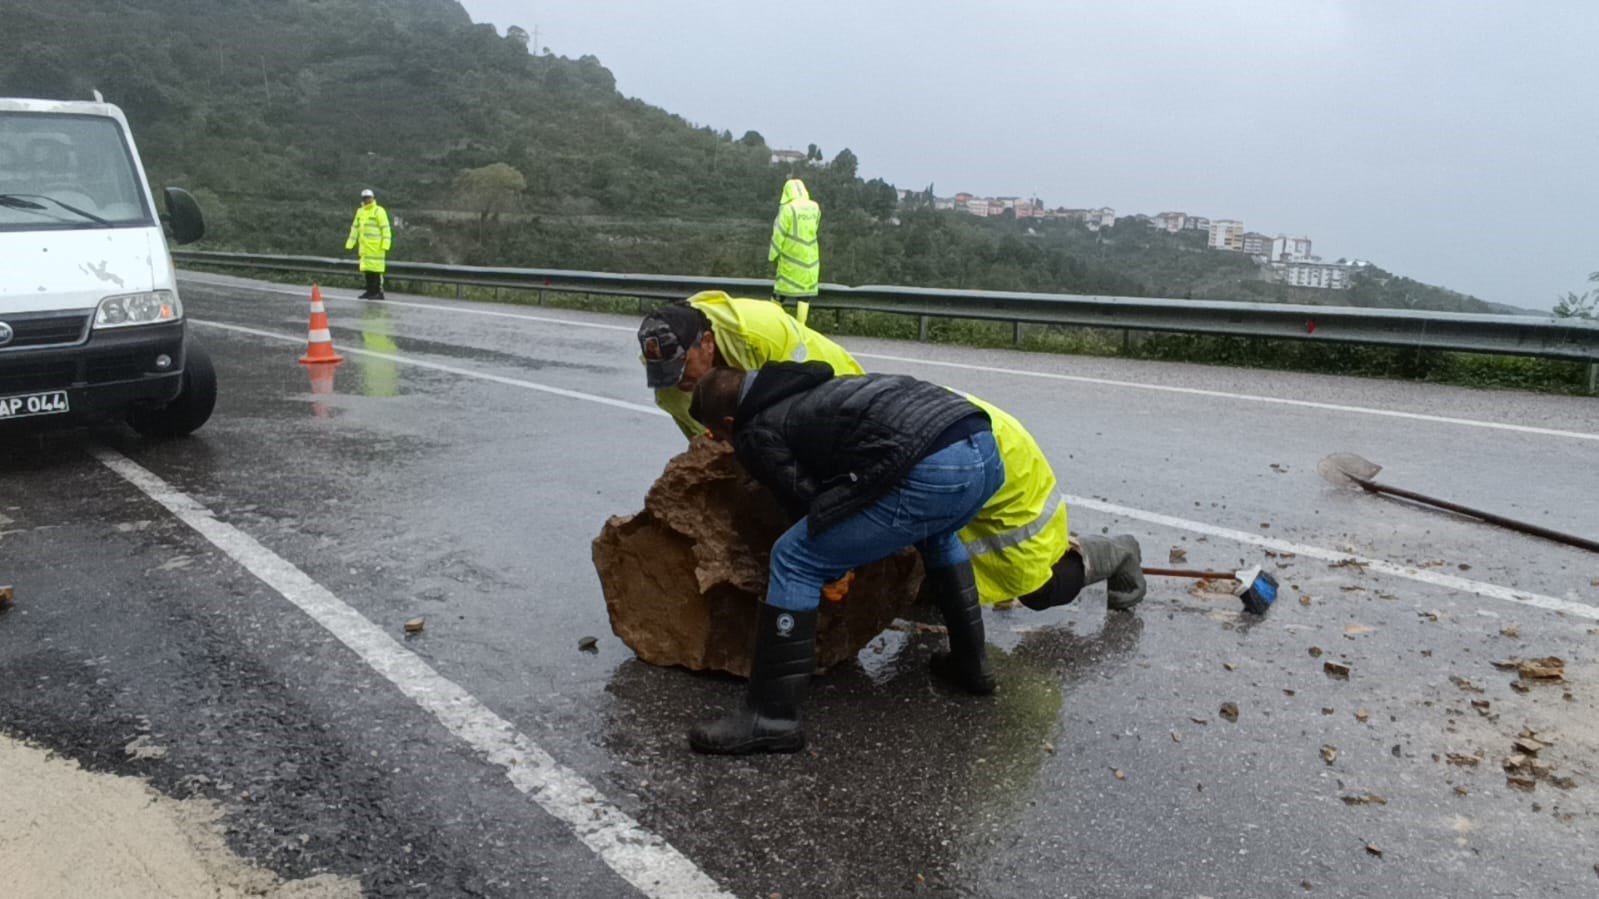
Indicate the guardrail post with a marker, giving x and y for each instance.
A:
(922, 336)
(1593, 378)
(460, 291)
(1018, 335)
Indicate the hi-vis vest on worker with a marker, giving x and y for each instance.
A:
(749, 334)
(370, 230)
(1020, 533)
(794, 246)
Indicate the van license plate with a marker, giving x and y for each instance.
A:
(48, 403)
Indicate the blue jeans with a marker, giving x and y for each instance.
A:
(925, 509)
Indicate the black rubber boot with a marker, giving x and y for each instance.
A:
(780, 675)
(374, 287)
(954, 591)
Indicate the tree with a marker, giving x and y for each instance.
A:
(752, 139)
(813, 152)
(519, 34)
(1579, 305)
(488, 191)
(844, 164)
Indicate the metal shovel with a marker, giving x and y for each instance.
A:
(1348, 469)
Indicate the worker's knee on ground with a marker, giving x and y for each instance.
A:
(1062, 587)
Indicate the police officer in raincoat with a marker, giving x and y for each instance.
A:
(794, 248)
(371, 233)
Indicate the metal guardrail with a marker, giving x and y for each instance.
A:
(1518, 335)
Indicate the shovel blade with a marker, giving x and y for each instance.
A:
(1347, 469)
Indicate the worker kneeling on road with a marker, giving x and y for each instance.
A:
(869, 465)
(681, 341)
(1018, 543)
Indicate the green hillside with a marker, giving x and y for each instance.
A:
(277, 112)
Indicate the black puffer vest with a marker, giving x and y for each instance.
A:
(829, 447)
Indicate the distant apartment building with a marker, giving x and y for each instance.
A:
(978, 206)
(1024, 209)
(1170, 222)
(1226, 234)
(1196, 223)
(1290, 249)
(1254, 243)
(1326, 275)
(791, 157)
(1103, 217)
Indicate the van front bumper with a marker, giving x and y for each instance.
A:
(102, 376)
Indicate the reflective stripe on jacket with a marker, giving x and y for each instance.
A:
(749, 334)
(794, 245)
(1020, 534)
(370, 229)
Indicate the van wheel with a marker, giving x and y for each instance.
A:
(192, 407)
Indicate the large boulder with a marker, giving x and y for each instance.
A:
(682, 577)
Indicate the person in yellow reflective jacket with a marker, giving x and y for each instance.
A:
(680, 342)
(795, 249)
(371, 233)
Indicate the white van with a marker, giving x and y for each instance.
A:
(91, 326)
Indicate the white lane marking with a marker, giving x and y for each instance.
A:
(1246, 397)
(303, 294)
(1081, 379)
(1481, 588)
(463, 372)
(643, 859)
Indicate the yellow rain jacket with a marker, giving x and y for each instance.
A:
(794, 246)
(370, 230)
(749, 334)
(1020, 534)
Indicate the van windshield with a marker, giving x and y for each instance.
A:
(67, 171)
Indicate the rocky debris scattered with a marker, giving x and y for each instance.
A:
(1229, 710)
(1547, 670)
(1364, 799)
(682, 577)
(1337, 670)
(1177, 554)
(415, 625)
(1524, 769)
(588, 644)
(8, 595)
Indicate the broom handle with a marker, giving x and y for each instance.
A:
(1522, 526)
(1184, 572)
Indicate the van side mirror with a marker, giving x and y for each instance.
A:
(183, 217)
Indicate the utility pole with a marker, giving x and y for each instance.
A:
(536, 50)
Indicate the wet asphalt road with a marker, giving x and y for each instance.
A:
(440, 476)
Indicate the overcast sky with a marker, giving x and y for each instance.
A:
(1453, 142)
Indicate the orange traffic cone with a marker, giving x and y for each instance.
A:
(321, 346)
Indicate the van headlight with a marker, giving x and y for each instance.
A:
(138, 309)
